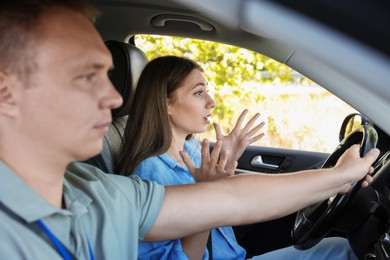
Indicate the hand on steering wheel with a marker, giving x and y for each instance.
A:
(314, 222)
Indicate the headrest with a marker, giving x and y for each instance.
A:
(129, 61)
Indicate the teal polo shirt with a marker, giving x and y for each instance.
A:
(111, 212)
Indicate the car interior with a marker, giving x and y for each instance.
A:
(361, 215)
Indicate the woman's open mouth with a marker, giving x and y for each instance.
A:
(207, 119)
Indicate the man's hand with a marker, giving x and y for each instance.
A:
(352, 164)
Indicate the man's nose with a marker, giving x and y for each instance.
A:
(113, 99)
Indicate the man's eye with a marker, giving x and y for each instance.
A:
(89, 77)
(85, 78)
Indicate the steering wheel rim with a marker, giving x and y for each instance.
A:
(314, 222)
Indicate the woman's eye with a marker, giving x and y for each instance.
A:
(198, 93)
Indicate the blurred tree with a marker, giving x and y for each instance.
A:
(235, 74)
(223, 64)
(226, 68)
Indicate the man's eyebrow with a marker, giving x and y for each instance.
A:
(97, 65)
(94, 65)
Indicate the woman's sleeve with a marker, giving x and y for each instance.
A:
(171, 249)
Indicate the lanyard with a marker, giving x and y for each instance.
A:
(58, 245)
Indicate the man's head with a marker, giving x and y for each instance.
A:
(20, 24)
(55, 95)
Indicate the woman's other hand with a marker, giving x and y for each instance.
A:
(213, 165)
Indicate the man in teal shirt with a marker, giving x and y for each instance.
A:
(55, 107)
(105, 211)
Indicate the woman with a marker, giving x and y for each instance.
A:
(171, 104)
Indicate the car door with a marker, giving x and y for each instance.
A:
(266, 236)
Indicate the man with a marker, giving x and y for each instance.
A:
(55, 102)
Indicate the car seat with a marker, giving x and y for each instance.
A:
(129, 62)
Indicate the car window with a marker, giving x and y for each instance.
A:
(298, 113)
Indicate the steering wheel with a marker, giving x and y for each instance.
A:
(313, 223)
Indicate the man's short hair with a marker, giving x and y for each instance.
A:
(20, 25)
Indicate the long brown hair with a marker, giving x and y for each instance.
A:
(148, 131)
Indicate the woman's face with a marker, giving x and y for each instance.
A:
(190, 105)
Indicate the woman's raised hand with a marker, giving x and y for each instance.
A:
(213, 165)
(239, 138)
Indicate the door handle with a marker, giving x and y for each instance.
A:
(257, 161)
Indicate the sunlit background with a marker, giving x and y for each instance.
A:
(298, 113)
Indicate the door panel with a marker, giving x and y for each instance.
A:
(278, 160)
(271, 235)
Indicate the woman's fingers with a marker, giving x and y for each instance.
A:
(251, 122)
(187, 161)
(205, 151)
(232, 168)
(240, 120)
(256, 129)
(222, 161)
(256, 138)
(218, 131)
(214, 157)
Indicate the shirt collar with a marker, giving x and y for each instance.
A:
(76, 200)
(190, 146)
(169, 161)
(22, 200)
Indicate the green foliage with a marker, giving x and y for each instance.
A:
(227, 68)
(223, 64)
(239, 78)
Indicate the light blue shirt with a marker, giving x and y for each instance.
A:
(163, 170)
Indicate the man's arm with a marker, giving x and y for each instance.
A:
(251, 198)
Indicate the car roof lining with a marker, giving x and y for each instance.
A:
(128, 22)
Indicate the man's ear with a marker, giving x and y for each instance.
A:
(8, 103)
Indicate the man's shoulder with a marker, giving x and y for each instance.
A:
(80, 171)
(90, 177)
